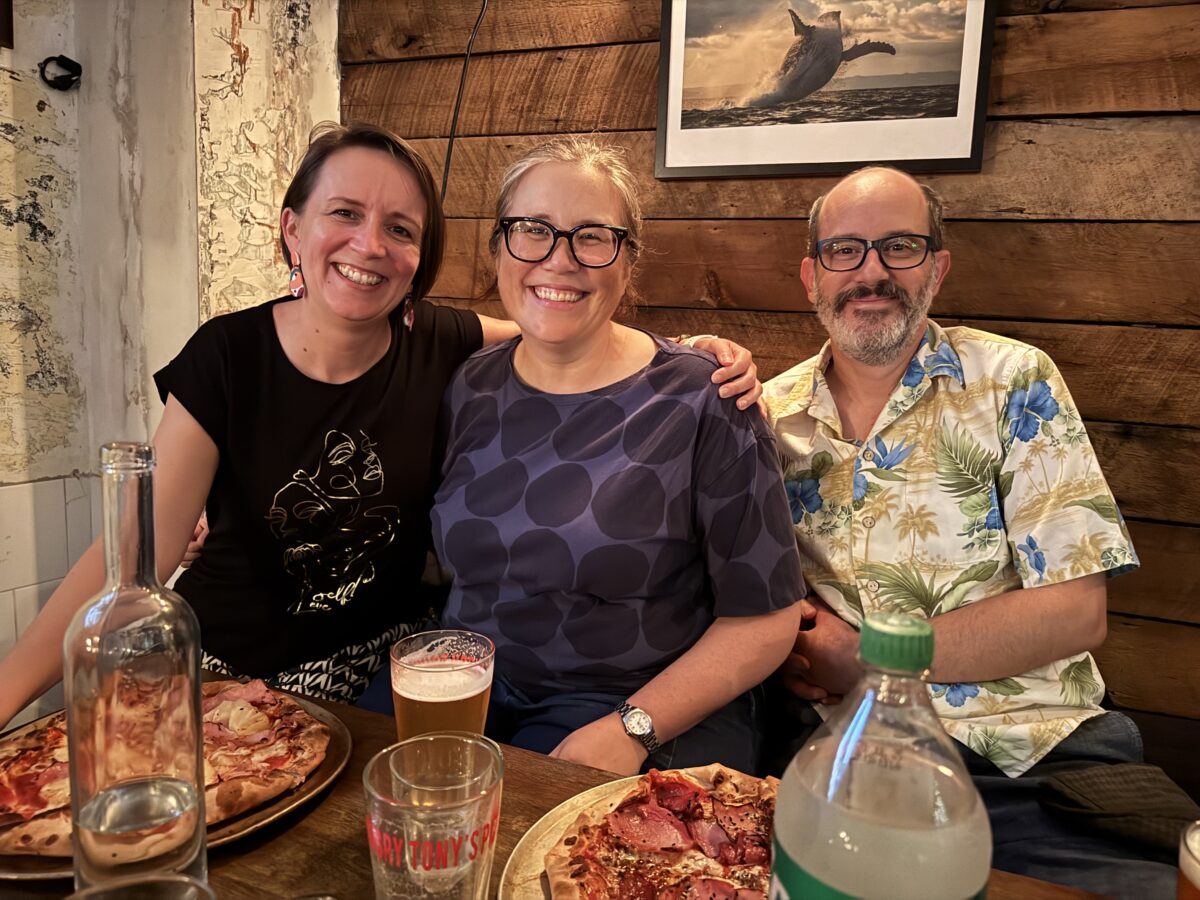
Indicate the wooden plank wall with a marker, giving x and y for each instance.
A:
(1081, 233)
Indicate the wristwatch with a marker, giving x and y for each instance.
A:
(638, 725)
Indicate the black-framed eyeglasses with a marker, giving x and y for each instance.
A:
(897, 251)
(533, 240)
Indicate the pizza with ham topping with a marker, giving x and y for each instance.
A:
(257, 745)
(690, 834)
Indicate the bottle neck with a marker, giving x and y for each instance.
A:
(896, 688)
(129, 527)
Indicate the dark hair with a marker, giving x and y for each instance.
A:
(328, 138)
(933, 202)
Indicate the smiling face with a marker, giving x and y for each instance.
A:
(873, 314)
(358, 237)
(557, 301)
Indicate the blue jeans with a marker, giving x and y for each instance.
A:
(378, 695)
(727, 736)
(1028, 840)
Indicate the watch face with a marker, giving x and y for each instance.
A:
(638, 722)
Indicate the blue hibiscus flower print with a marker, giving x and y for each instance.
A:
(957, 694)
(914, 374)
(860, 480)
(1028, 409)
(945, 362)
(1034, 557)
(803, 496)
(994, 520)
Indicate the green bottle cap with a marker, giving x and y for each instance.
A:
(896, 641)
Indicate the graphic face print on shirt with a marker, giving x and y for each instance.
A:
(321, 518)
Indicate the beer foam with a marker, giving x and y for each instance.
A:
(439, 681)
(1189, 862)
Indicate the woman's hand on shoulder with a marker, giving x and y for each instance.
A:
(738, 373)
(603, 744)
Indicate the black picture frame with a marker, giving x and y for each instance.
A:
(781, 149)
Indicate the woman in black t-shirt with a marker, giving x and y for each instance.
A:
(306, 426)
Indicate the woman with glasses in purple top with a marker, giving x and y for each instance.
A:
(616, 527)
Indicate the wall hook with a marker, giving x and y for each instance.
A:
(73, 70)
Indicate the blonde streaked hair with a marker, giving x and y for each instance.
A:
(590, 155)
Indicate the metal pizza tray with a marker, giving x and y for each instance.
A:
(337, 754)
(524, 875)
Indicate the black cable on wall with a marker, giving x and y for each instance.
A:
(462, 84)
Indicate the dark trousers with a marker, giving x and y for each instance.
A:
(1028, 840)
(727, 736)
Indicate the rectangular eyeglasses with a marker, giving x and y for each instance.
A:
(530, 240)
(897, 251)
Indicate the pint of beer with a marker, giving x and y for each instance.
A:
(441, 681)
(1189, 863)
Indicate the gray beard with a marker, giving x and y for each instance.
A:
(876, 337)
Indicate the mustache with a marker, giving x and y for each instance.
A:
(887, 289)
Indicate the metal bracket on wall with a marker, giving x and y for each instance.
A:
(72, 70)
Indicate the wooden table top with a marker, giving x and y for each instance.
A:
(322, 847)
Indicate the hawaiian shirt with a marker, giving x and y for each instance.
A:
(978, 478)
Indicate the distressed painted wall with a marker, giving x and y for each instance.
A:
(266, 72)
(45, 519)
(43, 424)
(137, 182)
(105, 251)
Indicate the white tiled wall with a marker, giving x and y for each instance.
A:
(44, 527)
(82, 497)
(8, 622)
(33, 533)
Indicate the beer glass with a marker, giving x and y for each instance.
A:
(1189, 863)
(441, 681)
(433, 807)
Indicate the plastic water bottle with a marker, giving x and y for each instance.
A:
(878, 804)
(131, 669)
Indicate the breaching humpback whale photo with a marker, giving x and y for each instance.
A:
(767, 62)
(812, 60)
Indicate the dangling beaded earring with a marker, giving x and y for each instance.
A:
(410, 311)
(296, 280)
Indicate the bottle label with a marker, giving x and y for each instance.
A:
(791, 882)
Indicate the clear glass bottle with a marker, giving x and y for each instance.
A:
(131, 671)
(879, 804)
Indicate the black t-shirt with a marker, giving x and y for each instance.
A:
(319, 511)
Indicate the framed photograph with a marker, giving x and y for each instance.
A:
(803, 87)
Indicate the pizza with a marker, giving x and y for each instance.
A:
(676, 835)
(35, 789)
(257, 745)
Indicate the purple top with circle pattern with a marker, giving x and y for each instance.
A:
(594, 537)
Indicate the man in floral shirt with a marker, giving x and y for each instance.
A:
(946, 472)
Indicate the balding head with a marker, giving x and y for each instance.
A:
(875, 187)
(875, 312)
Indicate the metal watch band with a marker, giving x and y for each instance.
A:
(648, 740)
